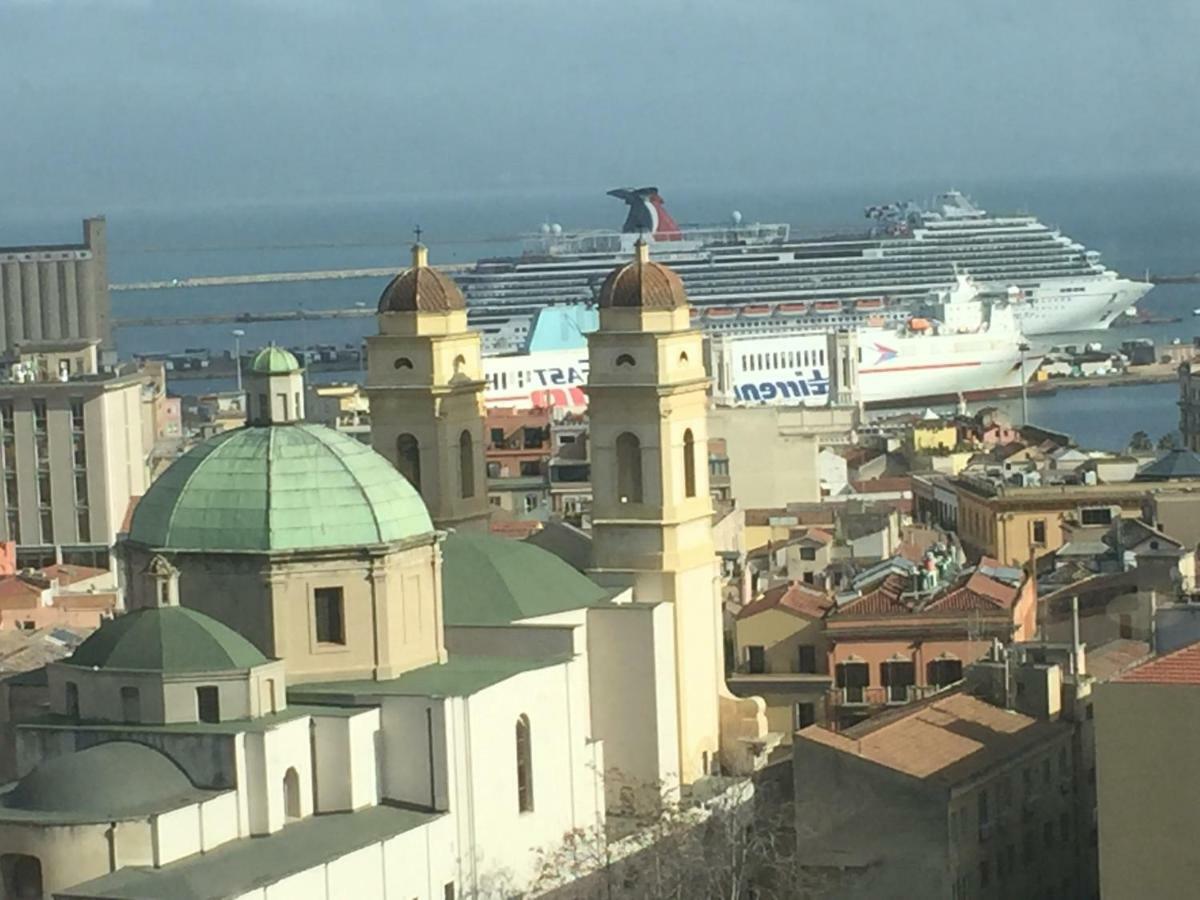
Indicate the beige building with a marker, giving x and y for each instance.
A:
(425, 387)
(1147, 795)
(75, 450)
(1189, 404)
(57, 292)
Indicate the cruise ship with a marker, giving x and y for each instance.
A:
(750, 278)
(962, 344)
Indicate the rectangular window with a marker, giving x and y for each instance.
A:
(79, 451)
(805, 715)
(329, 608)
(6, 416)
(531, 468)
(448, 891)
(208, 704)
(39, 416)
(76, 415)
(1101, 515)
(47, 526)
(497, 437)
(808, 554)
(81, 488)
(83, 524)
(756, 660)
(1039, 531)
(807, 661)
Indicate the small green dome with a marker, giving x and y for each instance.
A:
(274, 361)
(171, 639)
(283, 487)
(110, 780)
(489, 580)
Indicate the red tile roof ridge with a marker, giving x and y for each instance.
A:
(791, 597)
(1180, 666)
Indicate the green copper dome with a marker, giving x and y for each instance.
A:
(166, 639)
(282, 487)
(274, 361)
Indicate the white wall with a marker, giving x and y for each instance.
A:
(176, 834)
(345, 760)
(484, 784)
(268, 757)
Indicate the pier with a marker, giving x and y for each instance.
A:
(202, 281)
(284, 315)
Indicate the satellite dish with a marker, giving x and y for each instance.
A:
(736, 217)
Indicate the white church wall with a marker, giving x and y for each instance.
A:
(358, 875)
(269, 756)
(219, 820)
(68, 854)
(485, 794)
(418, 864)
(536, 639)
(306, 885)
(365, 749)
(631, 660)
(99, 693)
(176, 834)
(410, 725)
(345, 760)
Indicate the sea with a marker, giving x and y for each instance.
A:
(1140, 224)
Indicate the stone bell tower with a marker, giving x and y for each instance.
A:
(651, 510)
(425, 383)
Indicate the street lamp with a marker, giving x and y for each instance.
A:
(238, 334)
(1024, 348)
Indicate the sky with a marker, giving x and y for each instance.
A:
(168, 102)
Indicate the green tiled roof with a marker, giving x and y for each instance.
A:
(166, 639)
(274, 361)
(490, 580)
(110, 780)
(280, 487)
(459, 676)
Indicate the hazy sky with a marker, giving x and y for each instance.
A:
(108, 102)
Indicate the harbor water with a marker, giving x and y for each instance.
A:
(1139, 225)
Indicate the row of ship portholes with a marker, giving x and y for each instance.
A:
(626, 360)
(460, 362)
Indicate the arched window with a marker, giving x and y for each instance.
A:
(72, 700)
(689, 464)
(629, 468)
(466, 464)
(21, 876)
(625, 360)
(291, 795)
(524, 767)
(403, 363)
(408, 459)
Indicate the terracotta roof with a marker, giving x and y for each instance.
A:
(643, 284)
(885, 485)
(1180, 667)
(882, 600)
(65, 574)
(792, 598)
(949, 739)
(1111, 659)
(421, 289)
(977, 592)
(17, 593)
(820, 535)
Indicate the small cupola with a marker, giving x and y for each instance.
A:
(275, 388)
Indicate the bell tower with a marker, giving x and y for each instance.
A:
(651, 512)
(425, 384)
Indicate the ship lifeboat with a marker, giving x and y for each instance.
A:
(756, 311)
(792, 309)
(868, 303)
(721, 312)
(695, 312)
(920, 325)
(875, 321)
(827, 306)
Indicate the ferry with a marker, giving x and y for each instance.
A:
(845, 276)
(960, 342)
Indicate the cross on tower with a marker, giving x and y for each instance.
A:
(417, 232)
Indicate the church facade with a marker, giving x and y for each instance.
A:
(331, 679)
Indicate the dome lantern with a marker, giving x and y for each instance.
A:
(275, 388)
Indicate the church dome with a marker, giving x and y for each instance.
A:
(110, 780)
(274, 361)
(488, 580)
(421, 289)
(171, 639)
(642, 284)
(274, 488)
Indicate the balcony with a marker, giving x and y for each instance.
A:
(869, 697)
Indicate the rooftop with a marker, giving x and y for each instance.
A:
(421, 288)
(792, 598)
(459, 676)
(166, 639)
(239, 867)
(946, 740)
(276, 488)
(1177, 463)
(274, 360)
(1179, 667)
(489, 580)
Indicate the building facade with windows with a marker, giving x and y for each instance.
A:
(57, 292)
(75, 451)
